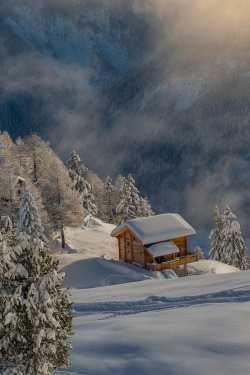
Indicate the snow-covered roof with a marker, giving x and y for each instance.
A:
(157, 228)
(163, 248)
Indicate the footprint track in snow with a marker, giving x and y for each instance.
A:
(154, 303)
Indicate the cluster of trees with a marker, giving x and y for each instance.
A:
(64, 196)
(35, 318)
(227, 243)
(112, 203)
(31, 161)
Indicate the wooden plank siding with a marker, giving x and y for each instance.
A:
(181, 243)
(128, 251)
(122, 248)
(138, 252)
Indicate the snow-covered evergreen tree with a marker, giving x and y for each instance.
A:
(81, 185)
(35, 320)
(76, 170)
(88, 201)
(215, 236)
(109, 203)
(129, 206)
(199, 252)
(232, 247)
(30, 221)
(146, 209)
(97, 189)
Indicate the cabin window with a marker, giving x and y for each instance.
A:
(159, 259)
(128, 243)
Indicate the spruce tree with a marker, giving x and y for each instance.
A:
(88, 200)
(109, 214)
(81, 185)
(76, 171)
(35, 320)
(30, 221)
(233, 248)
(146, 209)
(199, 252)
(129, 206)
(215, 236)
(97, 189)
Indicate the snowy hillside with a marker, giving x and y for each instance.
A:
(140, 328)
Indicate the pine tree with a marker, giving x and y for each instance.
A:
(76, 171)
(233, 248)
(129, 206)
(30, 221)
(81, 185)
(35, 320)
(88, 201)
(146, 209)
(215, 236)
(109, 212)
(97, 189)
(199, 252)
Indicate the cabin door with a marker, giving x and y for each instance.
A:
(128, 250)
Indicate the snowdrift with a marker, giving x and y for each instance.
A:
(91, 273)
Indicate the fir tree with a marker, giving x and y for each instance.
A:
(97, 189)
(88, 200)
(215, 236)
(199, 252)
(81, 185)
(30, 221)
(233, 249)
(76, 171)
(129, 206)
(35, 321)
(146, 209)
(109, 212)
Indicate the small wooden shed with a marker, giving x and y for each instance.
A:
(156, 242)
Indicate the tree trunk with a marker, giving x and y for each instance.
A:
(63, 237)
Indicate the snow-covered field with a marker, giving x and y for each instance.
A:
(195, 325)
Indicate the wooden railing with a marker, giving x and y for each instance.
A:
(172, 264)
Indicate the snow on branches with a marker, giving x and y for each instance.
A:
(228, 245)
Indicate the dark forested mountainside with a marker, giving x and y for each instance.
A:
(162, 85)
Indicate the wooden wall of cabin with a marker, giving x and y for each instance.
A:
(138, 251)
(181, 243)
(148, 257)
(130, 250)
(122, 253)
(128, 247)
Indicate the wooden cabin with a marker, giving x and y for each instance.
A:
(156, 243)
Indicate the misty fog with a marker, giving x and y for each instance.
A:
(155, 88)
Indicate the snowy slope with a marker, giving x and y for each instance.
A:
(91, 259)
(197, 325)
(194, 325)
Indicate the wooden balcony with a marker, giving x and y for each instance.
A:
(173, 264)
(189, 258)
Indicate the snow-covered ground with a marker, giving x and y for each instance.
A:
(194, 325)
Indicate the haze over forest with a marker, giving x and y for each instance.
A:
(158, 88)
